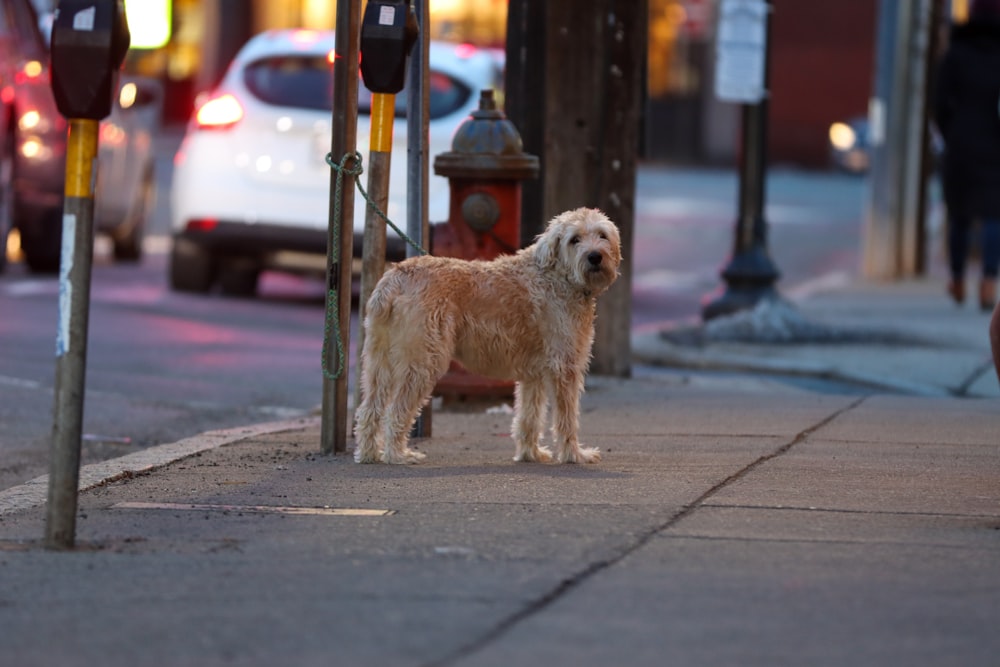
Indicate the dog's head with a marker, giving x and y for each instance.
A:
(584, 245)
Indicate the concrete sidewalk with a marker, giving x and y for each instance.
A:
(901, 338)
(737, 519)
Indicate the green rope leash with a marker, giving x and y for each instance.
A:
(331, 324)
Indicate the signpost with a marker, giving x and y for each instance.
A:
(741, 76)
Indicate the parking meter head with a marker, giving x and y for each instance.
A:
(89, 42)
(388, 31)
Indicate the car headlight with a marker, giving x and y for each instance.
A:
(842, 137)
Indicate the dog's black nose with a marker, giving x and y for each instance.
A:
(594, 258)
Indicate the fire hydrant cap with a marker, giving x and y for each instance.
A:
(486, 145)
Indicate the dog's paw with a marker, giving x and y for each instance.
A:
(580, 455)
(366, 457)
(404, 457)
(536, 455)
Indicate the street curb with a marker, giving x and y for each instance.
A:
(650, 348)
(35, 492)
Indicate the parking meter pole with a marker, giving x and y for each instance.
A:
(340, 258)
(418, 157)
(71, 339)
(89, 42)
(379, 162)
(388, 30)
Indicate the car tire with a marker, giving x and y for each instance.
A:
(128, 246)
(6, 198)
(42, 246)
(239, 278)
(192, 268)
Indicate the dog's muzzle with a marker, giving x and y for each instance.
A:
(594, 260)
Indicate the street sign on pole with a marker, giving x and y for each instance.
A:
(744, 26)
(741, 48)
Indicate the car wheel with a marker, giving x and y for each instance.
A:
(43, 244)
(192, 268)
(6, 199)
(239, 278)
(128, 246)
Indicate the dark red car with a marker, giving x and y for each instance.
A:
(33, 150)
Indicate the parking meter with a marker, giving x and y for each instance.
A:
(89, 42)
(388, 31)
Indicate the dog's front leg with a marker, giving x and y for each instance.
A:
(566, 411)
(529, 417)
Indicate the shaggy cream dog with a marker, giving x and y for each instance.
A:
(527, 317)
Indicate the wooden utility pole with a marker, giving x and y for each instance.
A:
(525, 79)
(594, 64)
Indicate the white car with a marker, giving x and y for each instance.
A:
(251, 187)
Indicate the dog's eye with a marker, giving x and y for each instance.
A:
(574, 240)
(604, 237)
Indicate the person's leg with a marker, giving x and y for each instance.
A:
(990, 241)
(958, 251)
(995, 338)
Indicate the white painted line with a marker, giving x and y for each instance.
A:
(255, 509)
(35, 492)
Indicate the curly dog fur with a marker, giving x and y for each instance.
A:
(527, 317)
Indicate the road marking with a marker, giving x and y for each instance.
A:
(255, 509)
(24, 288)
(35, 491)
(714, 210)
(8, 381)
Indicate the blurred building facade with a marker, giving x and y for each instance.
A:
(821, 69)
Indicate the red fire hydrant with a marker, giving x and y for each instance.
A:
(485, 168)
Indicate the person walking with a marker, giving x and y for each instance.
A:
(967, 114)
(995, 339)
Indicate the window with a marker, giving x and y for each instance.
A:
(306, 82)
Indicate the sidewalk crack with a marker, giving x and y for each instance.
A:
(569, 583)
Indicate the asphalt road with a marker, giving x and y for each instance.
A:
(163, 366)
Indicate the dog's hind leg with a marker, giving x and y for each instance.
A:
(421, 354)
(368, 430)
(413, 392)
(565, 414)
(529, 419)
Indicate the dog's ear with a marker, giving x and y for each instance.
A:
(547, 249)
(616, 243)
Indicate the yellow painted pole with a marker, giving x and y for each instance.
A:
(75, 264)
(81, 151)
(383, 114)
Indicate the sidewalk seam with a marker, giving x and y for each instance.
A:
(571, 582)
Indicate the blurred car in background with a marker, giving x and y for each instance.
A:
(851, 146)
(251, 187)
(33, 150)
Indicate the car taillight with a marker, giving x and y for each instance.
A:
(31, 71)
(219, 113)
(465, 50)
(202, 224)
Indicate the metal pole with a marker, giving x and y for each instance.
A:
(417, 159)
(71, 338)
(379, 162)
(750, 274)
(340, 258)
